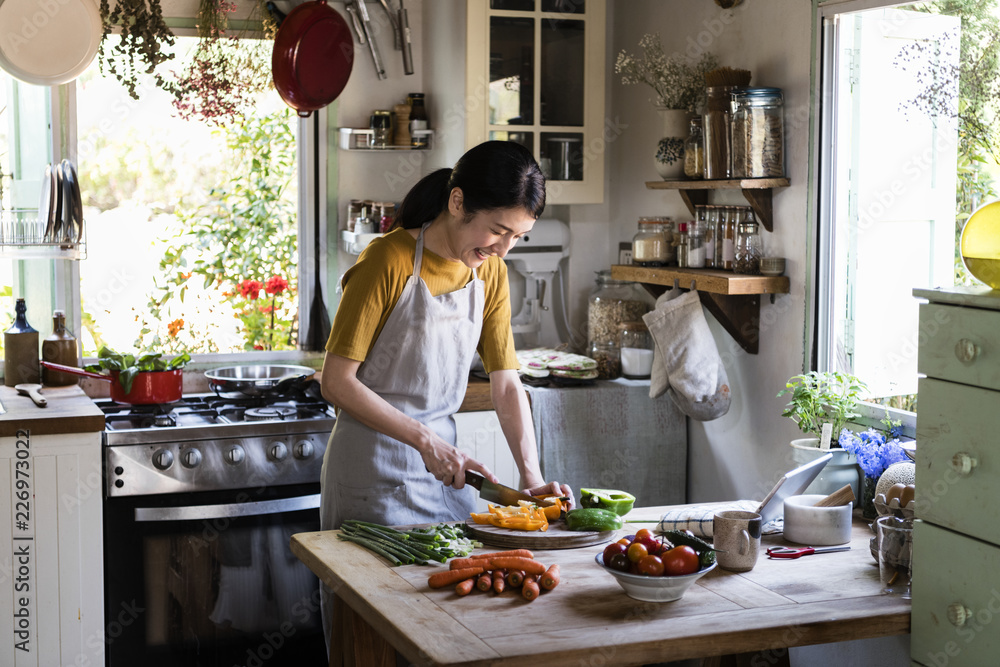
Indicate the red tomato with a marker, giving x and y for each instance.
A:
(680, 560)
(620, 562)
(643, 532)
(611, 550)
(651, 566)
(636, 551)
(648, 541)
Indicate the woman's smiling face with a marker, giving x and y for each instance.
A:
(487, 233)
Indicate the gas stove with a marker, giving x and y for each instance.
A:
(208, 442)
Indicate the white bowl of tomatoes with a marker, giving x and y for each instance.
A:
(649, 569)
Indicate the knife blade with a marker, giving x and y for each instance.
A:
(495, 493)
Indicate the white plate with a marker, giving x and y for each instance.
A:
(48, 42)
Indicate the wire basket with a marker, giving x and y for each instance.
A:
(23, 235)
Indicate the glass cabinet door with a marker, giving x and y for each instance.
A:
(542, 63)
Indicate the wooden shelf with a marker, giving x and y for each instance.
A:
(733, 299)
(757, 192)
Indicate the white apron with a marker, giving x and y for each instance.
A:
(419, 365)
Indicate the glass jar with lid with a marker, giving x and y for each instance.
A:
(694, 151)
(608, 358)
(749, 248)
(758, 133)
(611, 303)
(651, 245)
(716, 131)
(636, 350)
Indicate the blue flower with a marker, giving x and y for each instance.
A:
(873, 451)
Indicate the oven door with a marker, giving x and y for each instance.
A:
(209, 579)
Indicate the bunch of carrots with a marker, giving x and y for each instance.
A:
(515, 568)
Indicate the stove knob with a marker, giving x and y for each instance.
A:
(190, 458)
(163, 459)
(235, 455)
(303, 449)
(277, 451)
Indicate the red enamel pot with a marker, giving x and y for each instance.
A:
(148, 387)
(313, 56)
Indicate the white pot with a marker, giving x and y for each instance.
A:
(669, 156)
(842, 469)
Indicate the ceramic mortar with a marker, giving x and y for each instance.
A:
(816, 526)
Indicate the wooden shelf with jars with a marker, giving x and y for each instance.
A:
(757, 192)
(733, 299)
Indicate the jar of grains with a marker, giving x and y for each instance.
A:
(758, 133)
(608, 358)
(651, 245)
(611, 303)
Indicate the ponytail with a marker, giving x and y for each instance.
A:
(493, 175)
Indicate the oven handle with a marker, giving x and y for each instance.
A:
(228, 510)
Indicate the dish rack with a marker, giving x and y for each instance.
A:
(23, 236)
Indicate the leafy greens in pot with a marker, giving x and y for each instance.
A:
(128, 365)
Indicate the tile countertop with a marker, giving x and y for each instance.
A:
(70, 410)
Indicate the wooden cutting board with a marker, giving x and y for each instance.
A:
(556, 537)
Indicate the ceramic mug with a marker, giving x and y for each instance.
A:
(736, 536)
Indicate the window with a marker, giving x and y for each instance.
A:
(904, 160)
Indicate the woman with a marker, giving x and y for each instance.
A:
(416, 306)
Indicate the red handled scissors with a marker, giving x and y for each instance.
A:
(791, 552)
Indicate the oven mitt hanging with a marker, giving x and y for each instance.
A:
(686, 362)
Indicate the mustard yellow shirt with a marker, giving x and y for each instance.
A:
(373, 285)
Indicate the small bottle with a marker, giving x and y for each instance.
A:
(418, 120)
(696, 245)
(694, 151)
(729, 238)
(709, 218)
(20, 350)
(60, 348)
(388, 212)
(682, 247)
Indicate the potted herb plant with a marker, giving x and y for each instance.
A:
(824, 398)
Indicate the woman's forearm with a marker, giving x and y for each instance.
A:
(514, 413)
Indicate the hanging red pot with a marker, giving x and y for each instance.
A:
(313, 56)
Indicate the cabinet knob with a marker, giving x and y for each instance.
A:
(966, 350)
(963, 463)
(958, 614)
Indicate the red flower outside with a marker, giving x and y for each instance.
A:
(250, 289)
(276, 285)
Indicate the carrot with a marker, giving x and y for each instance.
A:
(515, 578)
(518, 563)
(529, 589)
(485, 582)
(464, 587)
(516, 553)
(499, 580)
(460, 563)
(449, 577)
(550, 579)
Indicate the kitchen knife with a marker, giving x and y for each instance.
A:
(495, 493)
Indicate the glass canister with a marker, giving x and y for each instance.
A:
(696, 245)
(611, 303)
(716, 131)
(749, 248)
(381, 127)
(694, 151)
(608, 358)
(636, 349)
(651, 245)
(758, 133)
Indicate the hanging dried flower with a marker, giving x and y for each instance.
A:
(679, 83)
(144, 36)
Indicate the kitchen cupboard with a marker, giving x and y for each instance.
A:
(537, 69)
(956, 543)
(51, 554)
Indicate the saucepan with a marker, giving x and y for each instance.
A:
(148, 387)
(313, 56)
(235, 381)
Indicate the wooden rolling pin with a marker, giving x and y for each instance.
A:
(841, 496)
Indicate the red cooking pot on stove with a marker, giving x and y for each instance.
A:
(148, 387)
(313, 56)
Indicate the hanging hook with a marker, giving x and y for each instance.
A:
(677, 283)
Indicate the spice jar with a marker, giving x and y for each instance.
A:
(725, 247)
(682, 245)
(749, 248)
(694, 151)
(608, 360)
(651, 245)
(418, 120)
(611, 303)
(696, 245)
(716, 129)
(381, 126)
(758, 133)
(636, 349)
(708, 218)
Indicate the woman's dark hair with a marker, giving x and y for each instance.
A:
(493, 175)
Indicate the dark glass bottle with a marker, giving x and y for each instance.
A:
(418, 120)
(20, 350)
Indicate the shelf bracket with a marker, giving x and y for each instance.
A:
(760, 202)
(739, 314)
(693, 198)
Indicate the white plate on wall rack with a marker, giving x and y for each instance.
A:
(48, 43)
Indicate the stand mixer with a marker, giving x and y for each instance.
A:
(532, 264)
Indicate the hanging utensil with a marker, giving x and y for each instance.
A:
(404, 36)
(393, 22)
(362, 15)
(319, 316)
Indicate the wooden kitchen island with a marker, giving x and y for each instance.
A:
(588, 619)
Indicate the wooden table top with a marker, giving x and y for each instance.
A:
(780, 603)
